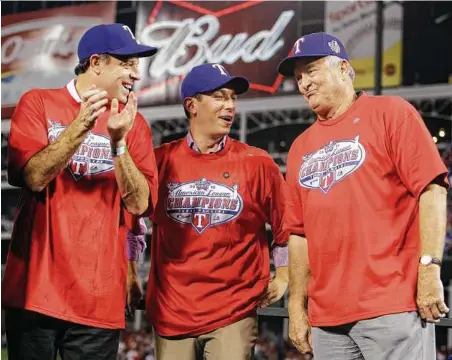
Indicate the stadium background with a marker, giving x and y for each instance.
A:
(38, 50)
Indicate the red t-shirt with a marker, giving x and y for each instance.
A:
(210, 258)
(354, 185)
(67, 257)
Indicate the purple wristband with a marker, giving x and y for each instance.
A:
(136, 242)
(280, 256)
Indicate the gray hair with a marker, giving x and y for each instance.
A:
(332, 60)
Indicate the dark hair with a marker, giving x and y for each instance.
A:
(83, 65)
(197, 97)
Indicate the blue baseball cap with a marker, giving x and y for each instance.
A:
(312, 45)
(114, 39)
(209, 77)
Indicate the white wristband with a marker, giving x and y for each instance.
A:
(118, 151)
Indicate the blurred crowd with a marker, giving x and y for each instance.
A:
(269, 346)
(136, 346)
(443, 353)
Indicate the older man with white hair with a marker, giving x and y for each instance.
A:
(366, 214)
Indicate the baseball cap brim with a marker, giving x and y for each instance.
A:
(137, 50)
(287, 66)
(239, 84)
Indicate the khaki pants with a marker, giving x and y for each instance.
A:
(232, 342)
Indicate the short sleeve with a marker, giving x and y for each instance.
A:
(142, 152)
(293, 220)
(413, 151)
(27, 136)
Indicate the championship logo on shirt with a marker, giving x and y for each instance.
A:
(203, 203)
(92, 157)
(331, 163)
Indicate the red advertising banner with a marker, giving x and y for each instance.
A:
(249, 38)
(39, 48)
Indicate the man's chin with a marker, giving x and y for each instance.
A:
(122, 99)
(315, 106)
(225, 133)
(226, 126)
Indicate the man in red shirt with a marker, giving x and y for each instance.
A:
(366, 214)
(84, 158)
(210, 266)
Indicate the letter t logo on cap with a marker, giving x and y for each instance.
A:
(221, 68)
(126, 28)
(298, 45)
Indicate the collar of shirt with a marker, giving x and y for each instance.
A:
(73, 91)
(194, 147)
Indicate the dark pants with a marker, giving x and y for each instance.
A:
(31, 336)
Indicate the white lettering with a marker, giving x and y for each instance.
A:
(325, 180)
(51, 37)
(195, 34)
(221, 68)
(297, 46)
(78, 165)
(11, 48)
(234, 49)
(349, 9)
(199, 218)
(126, 28)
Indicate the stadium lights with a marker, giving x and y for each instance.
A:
(441, 133)
(435, 139)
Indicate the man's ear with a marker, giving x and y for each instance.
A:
(190, 106)
(95, 63)
(344, 69)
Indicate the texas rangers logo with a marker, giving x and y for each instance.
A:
(203, 203)
(92, 157)
(331, 163)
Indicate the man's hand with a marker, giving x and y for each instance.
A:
(92, 106)
(430, 294)
(275, 290)
(120, 123)
(134, 289)
(300, 331)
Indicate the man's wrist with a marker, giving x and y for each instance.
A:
(118, 143)
(296, 305)
(429, 265)
(428, 260)
(82, 125)
(132, 268)
(430, 270)
(282, 274)
(118, 148)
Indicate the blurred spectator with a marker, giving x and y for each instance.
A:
(441, 353)
(136, 346)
